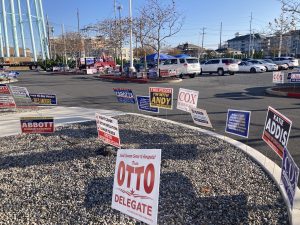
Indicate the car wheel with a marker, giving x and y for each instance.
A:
(266, 69)
(252, 70)
(231, 73)
(181, 76)
(192, 75)
(220, 72)
(201, 72)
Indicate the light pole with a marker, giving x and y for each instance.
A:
(131, 68)
(120, 36)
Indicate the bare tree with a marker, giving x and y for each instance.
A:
(162, 21)
(292, 6)
(280, 26)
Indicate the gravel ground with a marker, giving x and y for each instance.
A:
(67, 178)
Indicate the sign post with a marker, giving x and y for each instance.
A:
(200, 117)
(136, 183)
(276, 131)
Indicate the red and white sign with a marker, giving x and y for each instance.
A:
(37, 125)
(278, 77)
(187, 99)
(4, 89)
(7, 101)
(136, 183)
(108, 130)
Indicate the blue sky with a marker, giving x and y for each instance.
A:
(234, 15)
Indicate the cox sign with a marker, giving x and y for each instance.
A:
(187, 99)
(136, 183)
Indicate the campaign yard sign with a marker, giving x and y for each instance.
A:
(4, 89)
(144, 104)
(187, 99)
(136, 183)
(278, 77)
(289, 176)
(161, 97)
(124, 95)
(19, 92)
(108, 130)
(37, 125)
(276, 131)
(7, 101)
(238, 122)
(295, 77)
(43, 99)
(200, 117)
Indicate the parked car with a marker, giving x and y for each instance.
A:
(220, 66)
(267, 65)
(280, 66)
(289, 61)
(180, 66)
(251, 67)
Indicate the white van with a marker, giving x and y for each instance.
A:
(179, 67)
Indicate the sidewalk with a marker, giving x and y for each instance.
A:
(10, 123)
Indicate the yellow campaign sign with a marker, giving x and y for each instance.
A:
(161, 97)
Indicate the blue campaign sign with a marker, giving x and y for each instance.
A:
(124, 95)
(238, 122)
(289, 176)
(295, 77)
(144, 104)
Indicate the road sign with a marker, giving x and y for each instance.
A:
(37, 125)
(136, 183)
(276, 131)
(238, 122)
(7, 101)
(187, 99)
(161, 97)
(19, 92)
(108, 130)
(144, 104)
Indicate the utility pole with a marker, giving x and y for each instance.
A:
(64, 42)
(220, 37)
(131, 68)
(250, 43)
(79, 37)
(120, 36)
(203, 33)
(48, 35)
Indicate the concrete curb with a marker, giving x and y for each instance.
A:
(136, 80)
(282, 94)
(268, 165)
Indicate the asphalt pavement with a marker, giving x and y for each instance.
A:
(217, 94)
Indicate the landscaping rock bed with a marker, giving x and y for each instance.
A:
(67, 178)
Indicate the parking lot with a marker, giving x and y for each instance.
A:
(217, 94)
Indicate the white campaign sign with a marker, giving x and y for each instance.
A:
(19, 92)
(278, 77)
(187, 99)
(136, 183)
(200, 117)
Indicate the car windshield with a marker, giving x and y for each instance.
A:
(192, 60)
(228, 61)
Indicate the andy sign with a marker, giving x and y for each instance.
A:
(277, 130)
(161, 97)
(136, 183)
(187, 99)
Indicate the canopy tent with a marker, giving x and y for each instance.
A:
(161, 57)
(182, 56)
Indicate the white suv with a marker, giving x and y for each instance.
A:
(179, 67)
(220, 66)
(290, 61)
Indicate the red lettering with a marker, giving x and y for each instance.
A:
(121, 176)
(187, 97)
(181, 93)
(139, 171)
(149, 170)
(130, 170)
